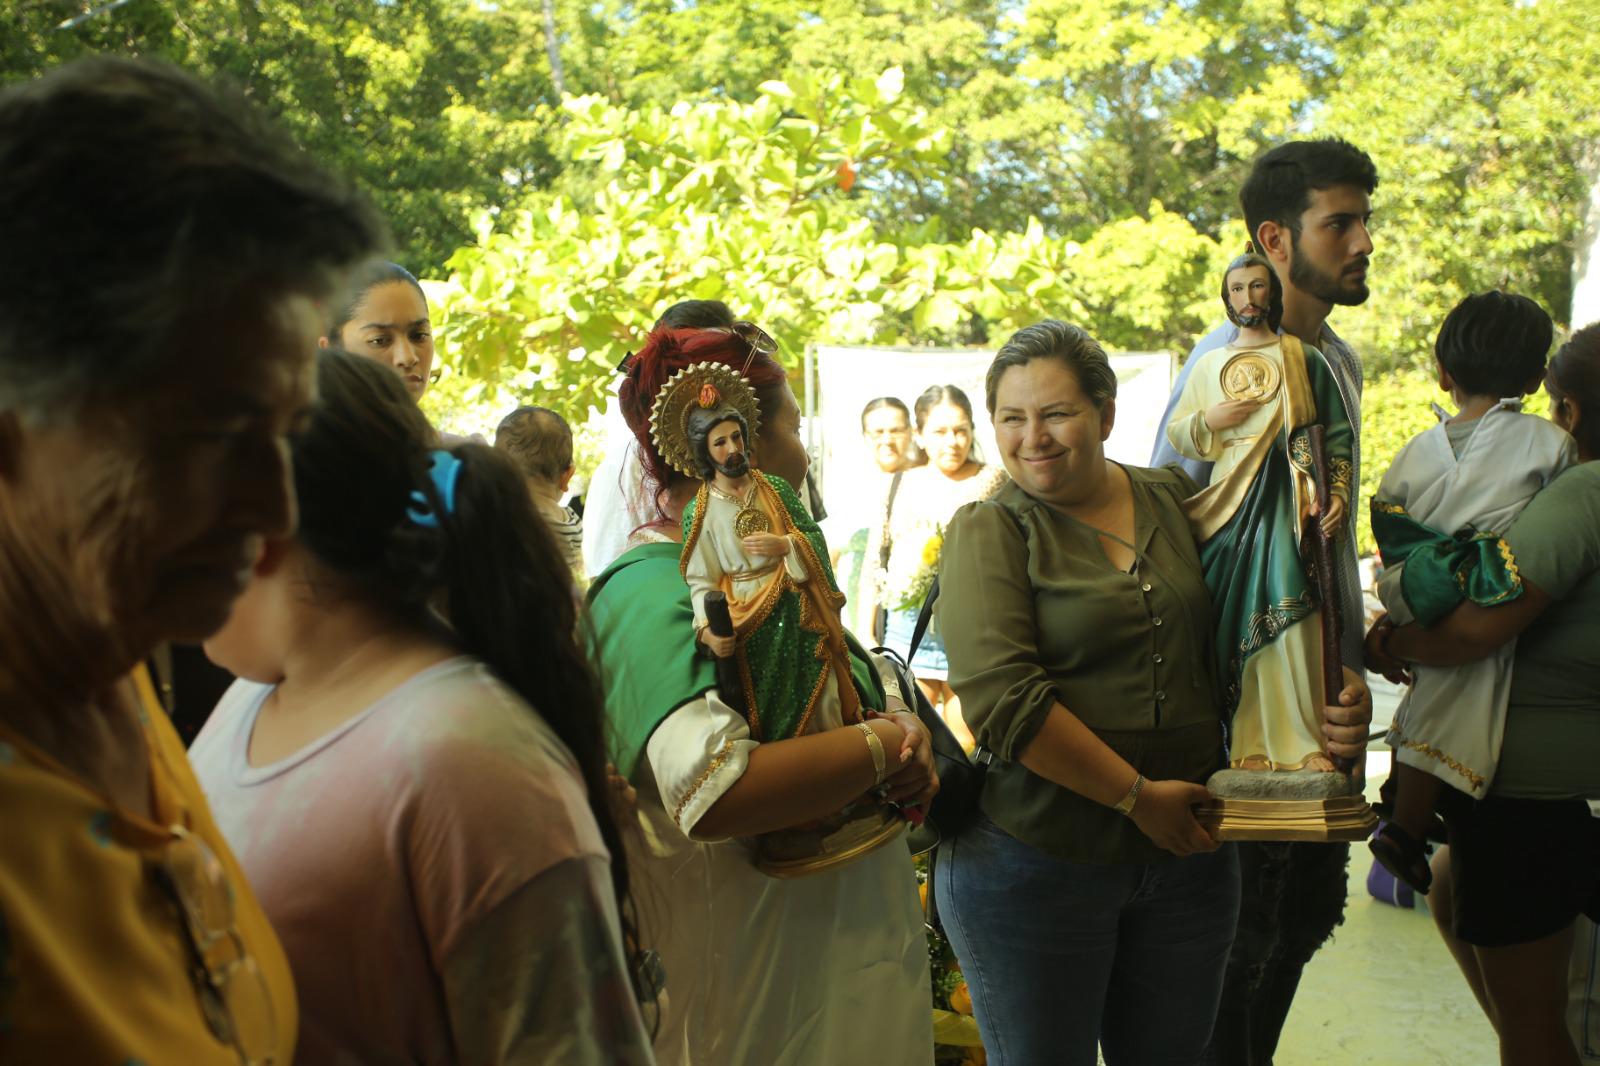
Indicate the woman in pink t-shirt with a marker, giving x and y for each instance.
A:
(435, 852)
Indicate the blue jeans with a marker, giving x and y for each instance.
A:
(1063, 956)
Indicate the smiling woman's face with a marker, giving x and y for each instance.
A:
(1050, 436)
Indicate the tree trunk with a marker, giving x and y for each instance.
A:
(552, 46)
(1586, 256)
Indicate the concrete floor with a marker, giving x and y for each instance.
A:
(1384, 990)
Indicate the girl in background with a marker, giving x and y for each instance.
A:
(436, 854)
(384, 317)
(913, 532)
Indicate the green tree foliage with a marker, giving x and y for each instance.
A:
(1070, 157)
(761, 204)
(432, 105)
(1480, 121)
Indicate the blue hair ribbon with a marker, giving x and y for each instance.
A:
(444, 470)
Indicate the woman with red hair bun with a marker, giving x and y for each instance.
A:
(825, 961)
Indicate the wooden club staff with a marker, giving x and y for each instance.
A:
(720, 622)
(1327, 582)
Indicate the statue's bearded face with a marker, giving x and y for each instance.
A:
(727, 450)
(1249, 293)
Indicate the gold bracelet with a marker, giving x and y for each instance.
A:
(1125, 805)
(880, 762)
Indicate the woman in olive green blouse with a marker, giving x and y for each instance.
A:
(1078, 627)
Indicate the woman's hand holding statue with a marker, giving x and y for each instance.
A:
(916, 782)
(1164, 812)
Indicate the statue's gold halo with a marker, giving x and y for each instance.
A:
(1250, 376)
(669, 416)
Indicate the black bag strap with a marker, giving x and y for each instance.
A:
(924, 619)
(925, 616)
(888, 510)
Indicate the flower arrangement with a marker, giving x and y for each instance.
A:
(911, 568)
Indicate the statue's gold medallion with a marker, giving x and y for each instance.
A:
(1250, 376)
(751, 520)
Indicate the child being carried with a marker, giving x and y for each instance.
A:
(1437, 518)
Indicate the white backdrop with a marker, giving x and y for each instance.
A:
(840, 381)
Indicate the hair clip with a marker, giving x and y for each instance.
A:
(445, 470)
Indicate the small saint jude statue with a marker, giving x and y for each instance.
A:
(1266, 411)
(747, 536)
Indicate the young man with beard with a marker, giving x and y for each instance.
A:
(1307, 205)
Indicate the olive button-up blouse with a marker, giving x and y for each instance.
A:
(1034, 614)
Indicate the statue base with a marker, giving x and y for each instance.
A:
(829, 843)
(1286, 805)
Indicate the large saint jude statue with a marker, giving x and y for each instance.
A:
(1247, 409)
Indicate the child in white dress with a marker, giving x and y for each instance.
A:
(1438, 514)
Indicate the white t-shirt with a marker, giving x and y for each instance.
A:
(436, 877)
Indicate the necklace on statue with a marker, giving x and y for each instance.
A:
(749, 519)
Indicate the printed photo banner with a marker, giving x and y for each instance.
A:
(839, 381)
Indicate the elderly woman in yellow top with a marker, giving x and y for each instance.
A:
(165, 250)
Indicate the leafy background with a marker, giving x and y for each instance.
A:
(896, 171)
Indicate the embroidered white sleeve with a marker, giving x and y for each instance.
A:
(696, 755)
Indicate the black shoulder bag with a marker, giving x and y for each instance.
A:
(960, 777)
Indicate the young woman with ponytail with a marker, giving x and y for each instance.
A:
(411, 768)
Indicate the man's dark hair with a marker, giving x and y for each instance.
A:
(1281, 181)
(698, 427)
(538, 440)
(1494, 343)
(696, 314)
(133, 198)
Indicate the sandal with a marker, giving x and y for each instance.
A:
(1384, 809)
(1404, 856)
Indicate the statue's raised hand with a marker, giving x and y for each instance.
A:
(1230, 413)
(766, 544)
